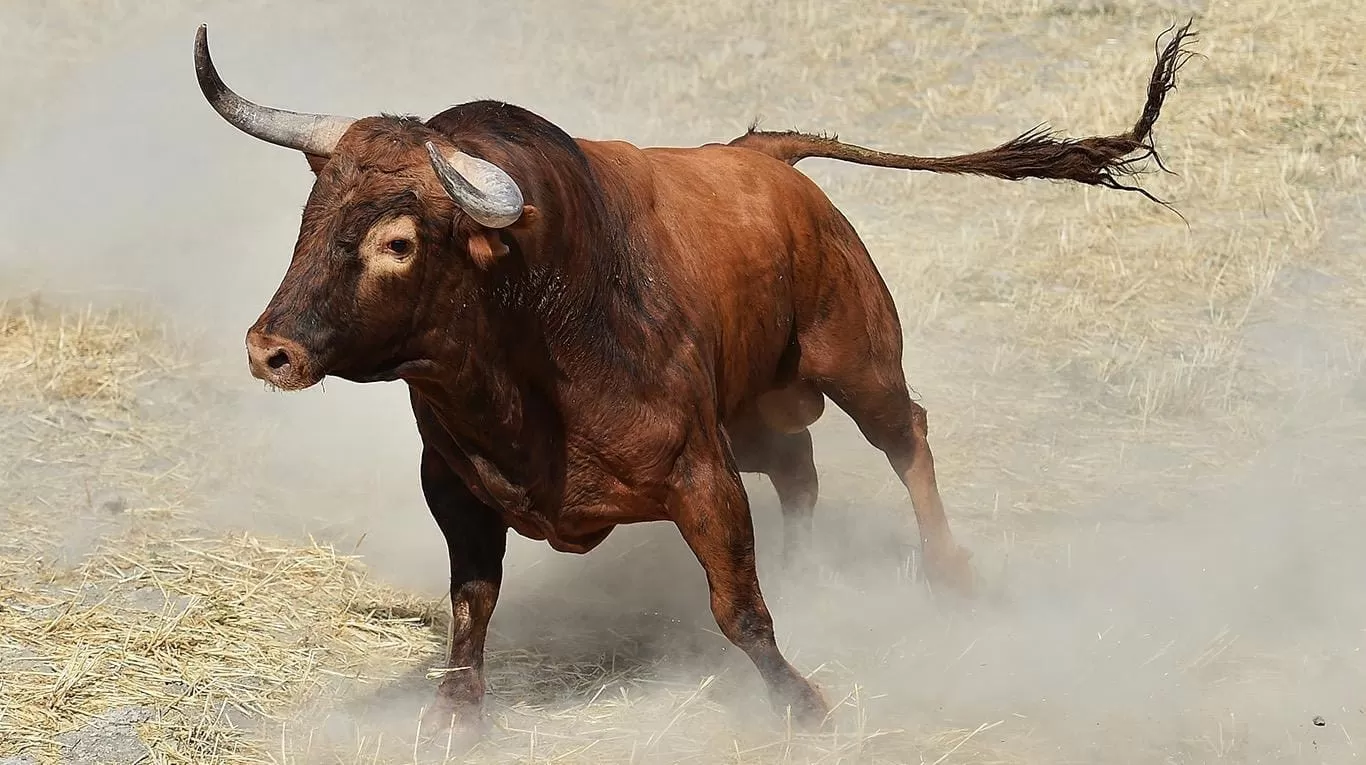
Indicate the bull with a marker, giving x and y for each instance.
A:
(595, 334)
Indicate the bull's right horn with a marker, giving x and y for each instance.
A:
(315, 134)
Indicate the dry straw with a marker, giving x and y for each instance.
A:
(205, 633)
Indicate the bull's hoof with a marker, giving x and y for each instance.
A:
(951, 572)
(804, 702)
(457, 725)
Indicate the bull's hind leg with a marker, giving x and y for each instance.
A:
(881, 406)
(861, 372)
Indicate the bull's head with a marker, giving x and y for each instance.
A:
(391, 200)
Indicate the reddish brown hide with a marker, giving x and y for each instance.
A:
(596, 334)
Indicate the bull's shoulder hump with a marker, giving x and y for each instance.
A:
(619, 162)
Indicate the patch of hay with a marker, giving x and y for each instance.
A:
(98, 410)
(219, 637)
(88, 357)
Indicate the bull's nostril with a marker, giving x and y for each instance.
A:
(278, 360)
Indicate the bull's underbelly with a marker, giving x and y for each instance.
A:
(579, 529)
(568, 543)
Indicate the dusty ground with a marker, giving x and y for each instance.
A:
(1150, 431)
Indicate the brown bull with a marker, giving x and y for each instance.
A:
(595, 334)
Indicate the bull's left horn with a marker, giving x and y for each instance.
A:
(482, 189)
(315, 134)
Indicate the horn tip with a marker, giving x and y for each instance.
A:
(210, 84)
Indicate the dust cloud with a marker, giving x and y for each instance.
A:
(1210, 622)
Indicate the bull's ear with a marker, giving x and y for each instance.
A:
(315, 163)
(486, 246)
(530, 219)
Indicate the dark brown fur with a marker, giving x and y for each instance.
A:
(658, 321)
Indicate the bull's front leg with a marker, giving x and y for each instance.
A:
(713, 514)
(476, 539)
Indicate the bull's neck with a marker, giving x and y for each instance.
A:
(582, 290)
(492, 403)
(562, 330)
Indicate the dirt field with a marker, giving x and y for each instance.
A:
(1150, 431)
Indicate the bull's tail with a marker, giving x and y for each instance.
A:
(1098, 161)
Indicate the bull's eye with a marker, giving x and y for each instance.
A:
(400, 247)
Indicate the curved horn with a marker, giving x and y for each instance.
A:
(315, 134)
(482, 189)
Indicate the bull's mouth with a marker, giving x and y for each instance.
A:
(395, 370)
(289, 382)
(384, 375)
(295, 383)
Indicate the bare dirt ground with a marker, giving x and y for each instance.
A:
(1150, 431)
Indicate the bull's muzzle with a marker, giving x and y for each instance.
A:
(279, 361)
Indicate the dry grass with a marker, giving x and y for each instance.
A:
(207, 634)
(94, 360)
(76, 389)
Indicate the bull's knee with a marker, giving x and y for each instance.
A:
(920, 420)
